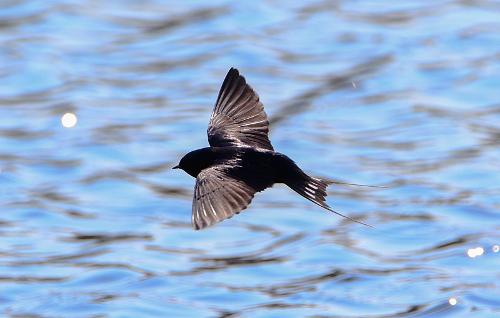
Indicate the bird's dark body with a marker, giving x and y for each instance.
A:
(241, 160)
(259, 168)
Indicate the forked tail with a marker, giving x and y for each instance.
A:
(314, 190)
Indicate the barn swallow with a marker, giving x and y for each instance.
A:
(241, 160)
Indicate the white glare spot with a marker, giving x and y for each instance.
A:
(452, 301)
(471, 252)
(69, 120)
(495, 248)
(479, 251)
(353, 84)
(474, 252)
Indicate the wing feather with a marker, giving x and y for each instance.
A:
(238, 118)
(218, 196)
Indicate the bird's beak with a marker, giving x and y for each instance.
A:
(176, 167)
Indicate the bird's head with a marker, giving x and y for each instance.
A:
(191, 163)
(183, 164)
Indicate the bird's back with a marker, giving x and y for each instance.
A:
(253, 166)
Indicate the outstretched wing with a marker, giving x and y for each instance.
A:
(238, 118)
(218, 196)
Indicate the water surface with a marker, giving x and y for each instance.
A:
(94, 223)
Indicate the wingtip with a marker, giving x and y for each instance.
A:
(199, 227)
(234, 71)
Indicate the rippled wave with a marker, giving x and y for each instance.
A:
(402, 96)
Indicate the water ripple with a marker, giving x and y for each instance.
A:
(400, 97)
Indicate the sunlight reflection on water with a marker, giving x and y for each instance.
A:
(69, 120)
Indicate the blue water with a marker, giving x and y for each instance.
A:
(94, 223)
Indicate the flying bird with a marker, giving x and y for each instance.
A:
(241, 160)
